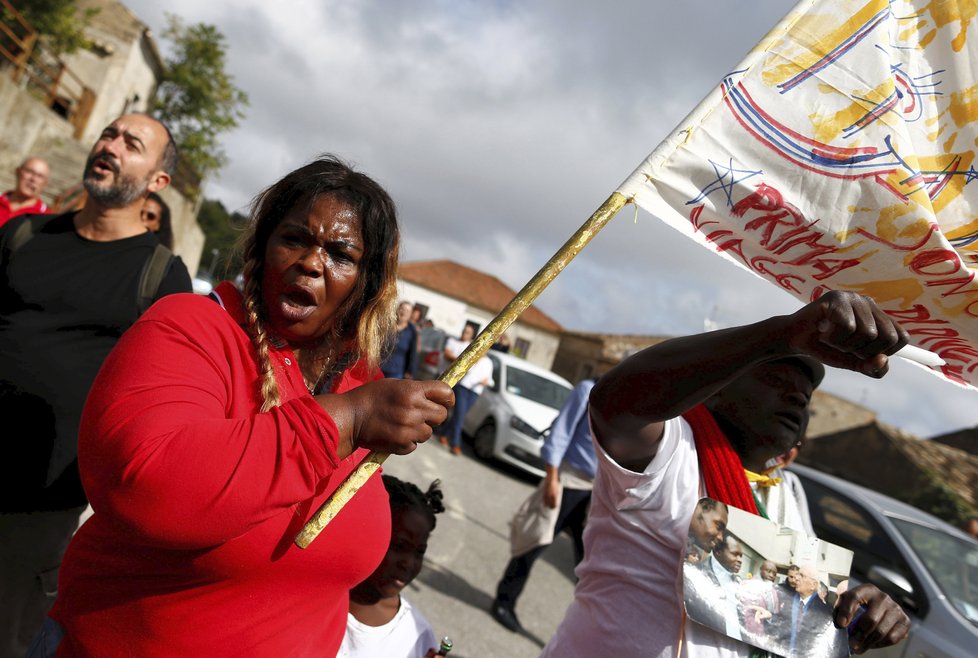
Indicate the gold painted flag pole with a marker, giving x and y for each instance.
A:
(476, 349)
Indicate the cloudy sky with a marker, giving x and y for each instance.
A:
(499, 127)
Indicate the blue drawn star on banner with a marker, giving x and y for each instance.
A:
(727, 177)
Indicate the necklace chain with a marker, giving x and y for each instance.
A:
(311, 387)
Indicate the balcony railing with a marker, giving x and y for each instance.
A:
(38, 69)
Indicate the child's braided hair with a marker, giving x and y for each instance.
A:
(405, 495)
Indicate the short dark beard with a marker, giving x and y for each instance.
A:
(124, 192)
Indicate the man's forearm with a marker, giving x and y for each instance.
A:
(663, 381)
(632, 401)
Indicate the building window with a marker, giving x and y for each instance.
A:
(521, 348)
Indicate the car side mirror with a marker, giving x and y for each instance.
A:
(895, 584)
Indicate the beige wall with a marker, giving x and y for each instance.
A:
(188, 238)
(543, 344)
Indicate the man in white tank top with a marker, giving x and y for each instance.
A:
(755, 383)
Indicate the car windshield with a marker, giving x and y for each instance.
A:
(952, 561)
(536, 388)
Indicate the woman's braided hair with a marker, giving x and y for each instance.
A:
(404, 495)
(364, 323)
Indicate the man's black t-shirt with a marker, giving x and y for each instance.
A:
(64, 302)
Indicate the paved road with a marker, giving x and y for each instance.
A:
(468, 551)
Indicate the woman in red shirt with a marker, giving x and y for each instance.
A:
(215, 430)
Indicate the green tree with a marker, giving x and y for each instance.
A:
(197, 99)
(222, 231)
(61, 22)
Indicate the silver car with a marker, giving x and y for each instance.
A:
(510, 418)
(925, 564)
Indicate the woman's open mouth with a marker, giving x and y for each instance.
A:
(297, 303)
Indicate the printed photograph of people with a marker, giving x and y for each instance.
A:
(767, 586)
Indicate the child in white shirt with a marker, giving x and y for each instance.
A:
(381, 622)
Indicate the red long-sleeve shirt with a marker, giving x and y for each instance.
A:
(7, 213)
(198, 496)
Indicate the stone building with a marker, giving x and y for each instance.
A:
(966, 440)
(55, 108)
(585, 354)
(123, 67)
(928, 474)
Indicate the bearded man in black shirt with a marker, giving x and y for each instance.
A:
(69, 286)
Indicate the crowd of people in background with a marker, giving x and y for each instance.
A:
(205, 430)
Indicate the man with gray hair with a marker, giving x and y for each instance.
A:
(70, 285)
(807, 615)
(25, 198)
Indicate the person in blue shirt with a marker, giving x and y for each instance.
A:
(561, 501)
(402, 362)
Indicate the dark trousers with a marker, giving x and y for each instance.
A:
(31, 547)
(572, 514)
(464, 399)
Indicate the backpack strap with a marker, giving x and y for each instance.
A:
(154, 269)
(19, 236)
(22, 235)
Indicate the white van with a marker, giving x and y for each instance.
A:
(509, 420)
